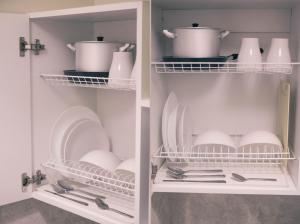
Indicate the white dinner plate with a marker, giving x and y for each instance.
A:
(64, 123)
(170, 105)
(172, 131)
(185, 129)
(85, 136)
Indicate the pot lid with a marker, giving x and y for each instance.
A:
(196, 26)
(99, 40)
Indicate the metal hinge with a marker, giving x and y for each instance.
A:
(154, 169)
(36, 47)
(34, 179)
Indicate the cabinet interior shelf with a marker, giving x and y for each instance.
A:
(283, 185)
(122, 185)
(90, 82)
(224, 67)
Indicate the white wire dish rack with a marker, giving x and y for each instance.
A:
(122, 185)
(90, 82)
(224, 67)
(260, 154)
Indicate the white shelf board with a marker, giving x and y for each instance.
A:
(107, 12)
(91, 211)
(284, 185)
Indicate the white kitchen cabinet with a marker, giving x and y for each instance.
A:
(36, 92)
(223, 98)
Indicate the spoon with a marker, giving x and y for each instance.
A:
(182, 176)
(60, 190)
(181, 171)
(240, 178)
(101, 204)
(68, 187)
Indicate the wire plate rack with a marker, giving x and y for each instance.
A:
(221, 154)
(90, 82)
(122, 184)
(224, 67)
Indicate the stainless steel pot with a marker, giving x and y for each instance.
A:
(196, 42)
(94, 56)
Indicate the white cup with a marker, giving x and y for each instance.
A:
(279, 56)
(120, 69)
(250, 58)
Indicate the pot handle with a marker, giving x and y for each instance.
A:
(124, 47)
(169, 34)
(224, 34)
(71, 46)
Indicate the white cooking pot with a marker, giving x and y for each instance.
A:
(196, 42)
(94, 56)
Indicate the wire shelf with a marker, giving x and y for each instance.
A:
(90, 82)
(221, 154)
(122, 184)
(224, 67)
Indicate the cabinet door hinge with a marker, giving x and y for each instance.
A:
(24, 46)
(154, 169)
(35, 179)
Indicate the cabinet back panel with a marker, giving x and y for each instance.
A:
(263, 24)
(233, 103)
(236, 20)
(50, 101)
(119, 31)
(116, 110)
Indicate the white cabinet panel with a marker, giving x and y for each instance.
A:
(15, 115)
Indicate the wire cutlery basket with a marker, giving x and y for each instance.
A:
(120, 184)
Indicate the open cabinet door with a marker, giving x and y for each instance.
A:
(15, 115)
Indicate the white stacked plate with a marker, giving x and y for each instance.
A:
(176, 128)
(77, 131)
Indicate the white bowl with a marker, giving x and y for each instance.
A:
(260, 137)
(102, 158)
(127, 167)
(214, 138)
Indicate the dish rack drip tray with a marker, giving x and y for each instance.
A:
(122, 185)
(218, 154)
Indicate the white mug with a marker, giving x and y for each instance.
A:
(121, 68)
(250, 58)
(279, 56)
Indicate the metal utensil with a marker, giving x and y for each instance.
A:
(61, 190)
(181, 171)
(182, 176)
(198, 181)
(68, 187)
(240, 178)
(71, 199)
(101, 204)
